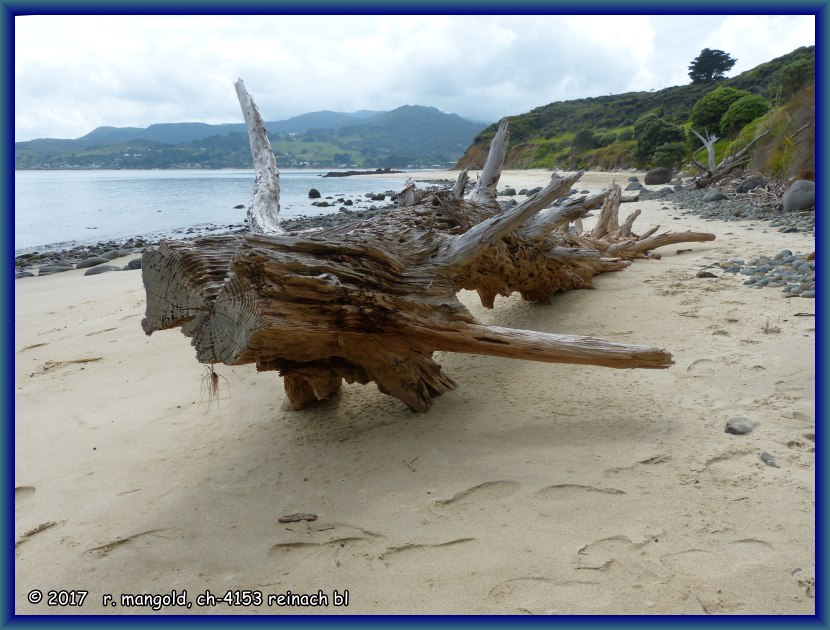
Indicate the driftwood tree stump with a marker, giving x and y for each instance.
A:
(715, 172)
(372, 301)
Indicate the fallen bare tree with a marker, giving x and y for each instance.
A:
(372, 301)
(715, 172)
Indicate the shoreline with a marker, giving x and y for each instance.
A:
(532, 488)
(58, 260)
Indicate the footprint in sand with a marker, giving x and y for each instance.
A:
(487, 491)
(602, 553)
(564, 491)
(541, 595)
(726, 559)
(419, 552)
(735, 465)
(145, 539)
(325, 541)
(621, 556)
(702, 367)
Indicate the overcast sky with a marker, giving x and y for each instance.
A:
(75, 73)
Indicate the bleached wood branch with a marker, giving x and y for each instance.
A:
(264, 210)
(709, 143)
(407, 196)
(488, 179)
(463, 248)
(457, 191)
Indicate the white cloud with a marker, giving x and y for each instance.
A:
(74, 73)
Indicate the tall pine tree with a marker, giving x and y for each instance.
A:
(710, 65)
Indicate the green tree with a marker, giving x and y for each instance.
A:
(741, 113)
(605, 138)
(710, 65)
(584, 140)
(670, 154)
(708, 111)
(625, 134)
(650, 132)
(792, 77)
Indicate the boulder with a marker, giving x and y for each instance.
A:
(800, 195)
(634, 186)
(659, 175)
(508, 192)
(533, 191)
(135, 263)
(750, 183)
(634, 178)
(113, 254)
(93, 271)
(714, 195)
(314, 194)
(91, 262)
(47, 270)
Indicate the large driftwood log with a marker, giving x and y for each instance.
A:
(373, 300)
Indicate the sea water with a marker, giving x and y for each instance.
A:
(59, 209)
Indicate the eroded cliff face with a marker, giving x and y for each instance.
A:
(790, 149)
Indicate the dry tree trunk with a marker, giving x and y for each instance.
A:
(726, 165)
(264, 211)
(374, 300)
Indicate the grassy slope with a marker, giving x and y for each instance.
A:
(542, 137)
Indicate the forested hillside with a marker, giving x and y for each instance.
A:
(411, 135)
(644, 129)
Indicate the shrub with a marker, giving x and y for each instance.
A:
(741, 113)
(708, 111)
(625, 134)
(650, 132)
(670, 154)
(584, 140)
(792, 77)
(606, 138)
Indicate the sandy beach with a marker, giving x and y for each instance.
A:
(532, 488)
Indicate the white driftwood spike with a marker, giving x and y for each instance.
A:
(708, 142)
(457, 191)
(264, 210)
(485, 191)
(407, 196)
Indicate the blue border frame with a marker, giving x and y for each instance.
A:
(11, 8)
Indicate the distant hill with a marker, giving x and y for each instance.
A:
(410, 135)
(542, 138)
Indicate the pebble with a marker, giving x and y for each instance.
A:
(769, 460)
(87, 256)
(736, 207)
(740, 426)
(794, 274)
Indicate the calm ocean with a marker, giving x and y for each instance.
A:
(60, 209)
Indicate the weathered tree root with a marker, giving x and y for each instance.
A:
(372, 301)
